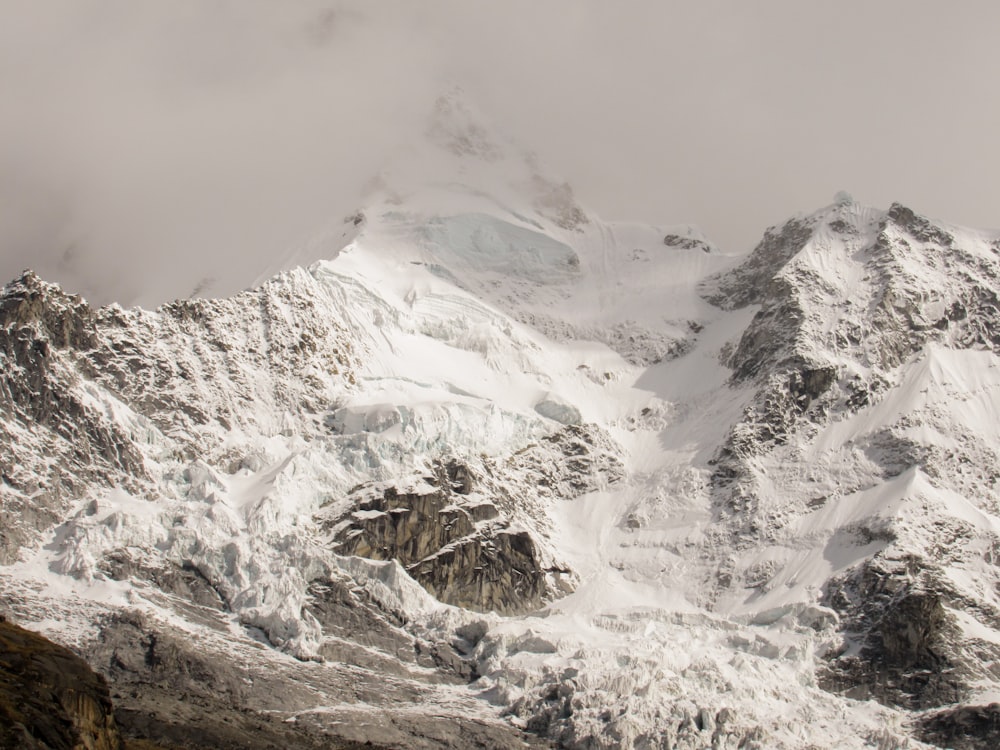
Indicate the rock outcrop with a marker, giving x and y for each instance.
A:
(963, 728)
(460, 552)
(45, 412)
(49, 698)
(458, 532)
(908, 652)
(172, 693)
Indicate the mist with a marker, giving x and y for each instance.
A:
(190, 141)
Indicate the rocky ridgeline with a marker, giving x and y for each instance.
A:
(84, 393)
(54, 443)
(847, 298)
(911, 286)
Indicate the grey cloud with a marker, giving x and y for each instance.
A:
(174, 138)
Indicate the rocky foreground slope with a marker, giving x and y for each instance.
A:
(49, 697)
(494, 477)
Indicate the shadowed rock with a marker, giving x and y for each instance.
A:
(50, 698)
(963, 728)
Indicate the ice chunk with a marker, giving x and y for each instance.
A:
(555, 408)
(368, 418)
(488, 243)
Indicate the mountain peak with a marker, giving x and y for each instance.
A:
(841, 223)
(457, 126)
(461, 154)
(458, 165)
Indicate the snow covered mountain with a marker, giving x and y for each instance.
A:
(495, 473)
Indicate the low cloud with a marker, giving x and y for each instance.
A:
(188, 140)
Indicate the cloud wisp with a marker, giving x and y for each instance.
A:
(193, 139)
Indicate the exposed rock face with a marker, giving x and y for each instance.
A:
(185, 581)
(43, 412)
(175, 693)
(963, 728)
(751, 282)
(456, 533)
(460, 553)
(361, 631)
(49, 698)
(908, 655)
(686, 243)
(169, 693)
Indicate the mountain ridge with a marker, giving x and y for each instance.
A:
(686, 480)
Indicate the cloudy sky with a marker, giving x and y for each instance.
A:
(171, 139)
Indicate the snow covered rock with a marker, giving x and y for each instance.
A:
(474, 533)
(462, 552)
(862, 322)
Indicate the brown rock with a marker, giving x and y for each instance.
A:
(50, 698)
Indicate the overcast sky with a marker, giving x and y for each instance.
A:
(171, 138)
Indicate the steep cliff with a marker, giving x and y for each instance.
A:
(49, 698)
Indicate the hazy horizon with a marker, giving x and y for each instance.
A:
(178, 139)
